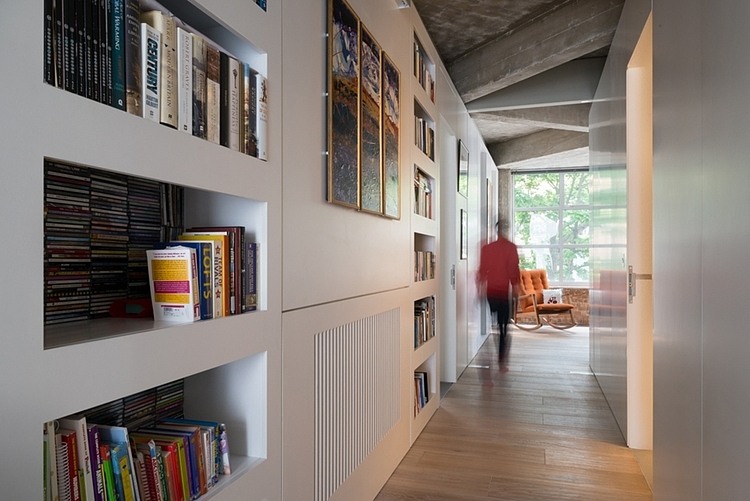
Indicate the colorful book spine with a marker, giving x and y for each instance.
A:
(165, 24)
(262, 116)
(199, 86)
(173, 280)
(213, 93)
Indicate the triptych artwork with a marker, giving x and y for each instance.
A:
(363, 117)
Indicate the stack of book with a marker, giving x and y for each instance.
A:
(136, 56)
(207, 272)
(93, 456)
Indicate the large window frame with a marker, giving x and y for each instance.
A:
(552, 223)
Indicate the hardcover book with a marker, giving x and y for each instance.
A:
(133, 58)
(184, 81)
(117, 41)
(199, 86)
(213, 93)
(150, 72)
(78, 424)
(262, 116)
(222, 304)
(166, 25)
(229, 130)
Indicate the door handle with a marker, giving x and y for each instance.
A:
(632, 279)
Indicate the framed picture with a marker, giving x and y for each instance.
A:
(463, 169)
(371, 167)
(464, 254)
(343, 104)
(391, 135)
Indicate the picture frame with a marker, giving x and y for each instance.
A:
(371, 134)
(391, 139)
(463, 169)
(464, 251)
(343, 185)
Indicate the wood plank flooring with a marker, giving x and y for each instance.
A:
(541, 431)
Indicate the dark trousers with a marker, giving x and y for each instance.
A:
(500, 309)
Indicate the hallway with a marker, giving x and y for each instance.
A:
(541, 431)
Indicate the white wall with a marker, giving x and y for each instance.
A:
(701, 196)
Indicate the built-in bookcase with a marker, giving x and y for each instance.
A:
(425, 235)
(230, 367)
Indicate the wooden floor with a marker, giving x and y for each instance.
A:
(541, 431)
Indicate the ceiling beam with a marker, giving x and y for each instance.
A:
(577, 28)
(573, 117)
(538, 145)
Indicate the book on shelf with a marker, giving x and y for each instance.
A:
(250, 276)
(235, 243)
(248, 97)
(118, 40)
(222, 273)
(72, 477)
(108, 474)
(205, 256)
(178, 469)
(150, 72)
(51, 487)
(229, 110)
(96, 461)
(174, 284)
(262, 116)
(166, 25)
(77, 423)
(184, 80)
(118, 441)
(133, 58)
(213, 93)
(199, 86)
(62, 463)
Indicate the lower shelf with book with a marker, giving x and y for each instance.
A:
(426, 393)
(168, 442)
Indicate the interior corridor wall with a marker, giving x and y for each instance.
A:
(701, 237)
(607, 145)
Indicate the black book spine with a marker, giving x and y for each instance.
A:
(224, 84)
(105, 57)
(59, 43)
(117, 40)
(133, 57)
(69, 49)
(49, 42)
(92, 22)
(80, 44)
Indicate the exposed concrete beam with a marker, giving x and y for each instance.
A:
(539, 144)
(570, 83)
(577, 28)
(573, 117)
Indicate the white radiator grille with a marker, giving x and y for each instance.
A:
(357, 395)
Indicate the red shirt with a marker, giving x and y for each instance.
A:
(498, 267)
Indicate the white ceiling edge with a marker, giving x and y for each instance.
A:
(578, 157)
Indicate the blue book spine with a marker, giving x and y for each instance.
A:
(118, 39)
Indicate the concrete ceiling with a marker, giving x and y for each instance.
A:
(526, 70)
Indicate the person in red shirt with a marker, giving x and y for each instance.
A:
(498, 278)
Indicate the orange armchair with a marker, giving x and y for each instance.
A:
(531, 302)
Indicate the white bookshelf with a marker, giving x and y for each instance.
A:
(231, 366)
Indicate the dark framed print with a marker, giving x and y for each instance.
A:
(343, 104)
(371, 167)
(391, 142)
(463, 169)
(464, 254)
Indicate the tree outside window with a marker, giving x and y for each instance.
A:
(552, 216)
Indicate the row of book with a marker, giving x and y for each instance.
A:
(97, 228)
(424, 265)
(136, 56)
(422, 194)
(175, 459)
(424, 320)
(421, 391)
(424, 136)
(423, 71)
(206, 272)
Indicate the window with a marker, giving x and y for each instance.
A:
(552, 217)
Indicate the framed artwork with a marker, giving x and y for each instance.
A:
(463, 169)
(464, 254)
(391, 135)
(343, 104)
(371, 167)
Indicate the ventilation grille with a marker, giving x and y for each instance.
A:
(357, 395)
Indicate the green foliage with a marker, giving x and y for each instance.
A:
(552, 218)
